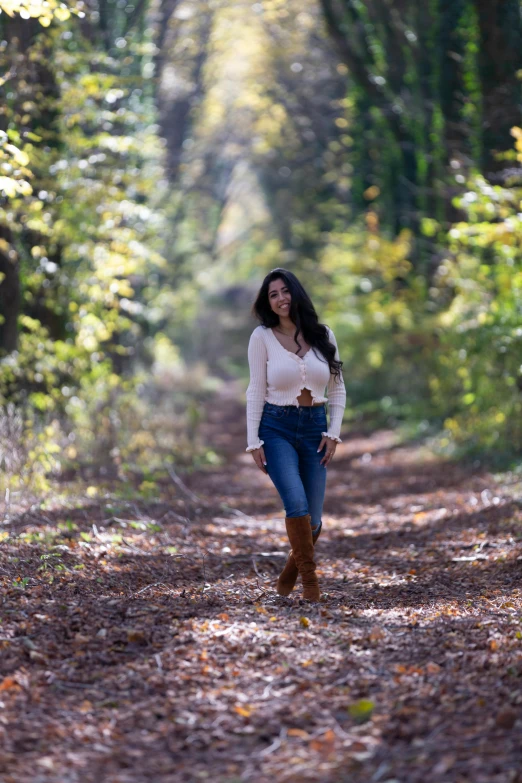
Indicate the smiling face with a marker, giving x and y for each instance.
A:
(279, 297)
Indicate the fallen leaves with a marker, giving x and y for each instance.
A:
(301, 733)
(506, 718)
(8, 684)
(245, 712)
(136, 636)
(149, 645)
(81, 639)
(376, 634)
(324, 744)
(361, 710)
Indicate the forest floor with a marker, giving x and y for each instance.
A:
(144, 641)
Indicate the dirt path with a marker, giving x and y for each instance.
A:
(144, 641)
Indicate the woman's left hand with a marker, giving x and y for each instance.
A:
(331, 445)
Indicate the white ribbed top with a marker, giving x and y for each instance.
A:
(279, 376)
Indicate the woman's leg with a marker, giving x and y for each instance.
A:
(313, 474)
(282, 464)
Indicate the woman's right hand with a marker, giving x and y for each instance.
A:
(259, 459)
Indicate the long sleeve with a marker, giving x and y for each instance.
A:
(336, 393)
(256, 392)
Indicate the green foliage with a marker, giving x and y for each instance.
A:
(15, 161)
(29, 450)
(81, 222)
(92, 235)
(477, 382)
(42, 10)
(444, 350)
(379, 317)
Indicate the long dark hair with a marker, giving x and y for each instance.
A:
(303, 314)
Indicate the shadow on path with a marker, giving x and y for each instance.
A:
(144, 641)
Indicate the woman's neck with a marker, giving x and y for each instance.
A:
(286, 325)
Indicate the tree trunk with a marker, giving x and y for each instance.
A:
(10, 295)
(34, 81)
(19, 33)
(359, 63)
(451, 78)
(499, 57)
(176, 102)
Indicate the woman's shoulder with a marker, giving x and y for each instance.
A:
(259, 331)
(258, 338)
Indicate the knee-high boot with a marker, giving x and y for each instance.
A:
(300, 536)
(289, 574)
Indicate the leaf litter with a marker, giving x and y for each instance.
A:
(144, 641)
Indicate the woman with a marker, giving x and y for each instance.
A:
(292, 358)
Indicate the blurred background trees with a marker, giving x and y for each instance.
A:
(158, 158)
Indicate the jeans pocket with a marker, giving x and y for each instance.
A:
(275, 413)
(320, 417)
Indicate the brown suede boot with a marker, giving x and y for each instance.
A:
(289, 574)
(300, 537)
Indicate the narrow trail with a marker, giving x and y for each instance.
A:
(160, 651)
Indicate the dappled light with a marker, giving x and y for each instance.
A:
(157, 160)
(151, 628)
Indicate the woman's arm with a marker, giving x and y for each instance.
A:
(256, 392)
(336, 393)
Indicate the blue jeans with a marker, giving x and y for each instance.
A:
(291, 438)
